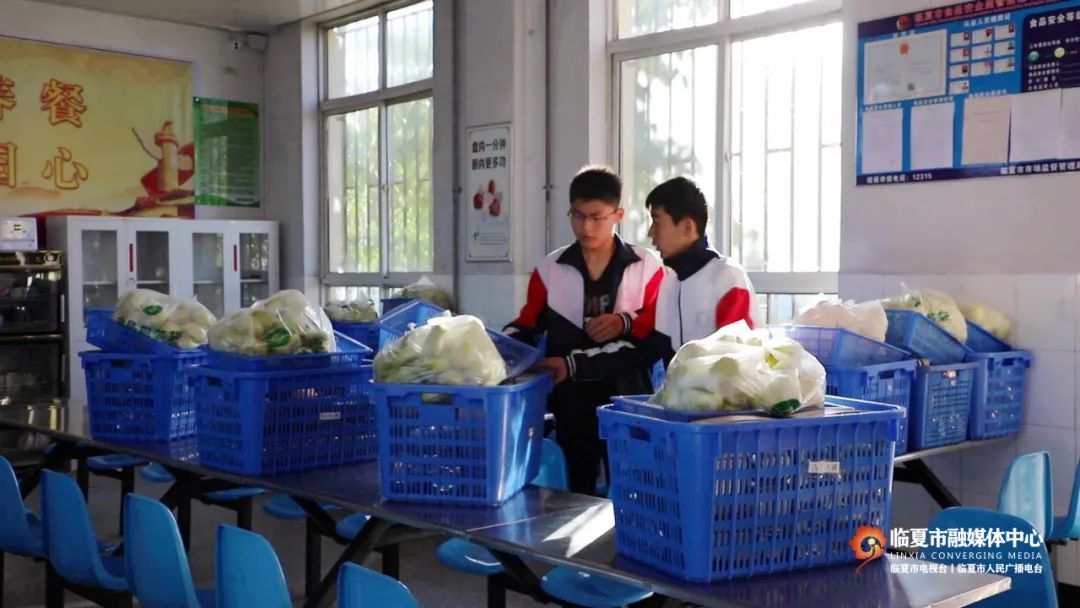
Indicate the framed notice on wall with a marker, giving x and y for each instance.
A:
(226, 153)
(487, 198)
(973, 89)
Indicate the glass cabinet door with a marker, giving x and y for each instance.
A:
(208, 257)
(254, 267)
(152, 260)
(100, 280)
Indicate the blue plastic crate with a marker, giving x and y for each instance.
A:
(473, 445)
(981, 341)
(135, 397)
(519, 356)
(707, 501)
(833, 346)
(112, 336)
(265, 423)
(941, 405)
(350, 353)
(998, 399)
(885, 383)
(365, 333)
(397, 323)
(920, 335)
(391, 304)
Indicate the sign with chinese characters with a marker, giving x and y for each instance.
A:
(487, 200)
(227, 153)
(87, 132)
(974, 89)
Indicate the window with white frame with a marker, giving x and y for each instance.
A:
(377, 123)
(744, 96)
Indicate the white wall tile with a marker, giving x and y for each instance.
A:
(1046, 312)
(1050, 392)
(912, 507)
(1067, 564)
(996, 290)
(1061, 444)
(983, 468)
(980, 500)
(947, 468)
(861, 287)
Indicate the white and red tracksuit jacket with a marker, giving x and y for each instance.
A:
(556, 306)
(702, 292)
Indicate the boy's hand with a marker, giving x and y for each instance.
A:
(606, 327)
(555, 365)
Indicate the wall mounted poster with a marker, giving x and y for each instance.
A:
(487, 201)
(90, 132)
(226, 153)
(974, 89)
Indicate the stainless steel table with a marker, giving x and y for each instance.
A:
(555, 527)
(911, 468)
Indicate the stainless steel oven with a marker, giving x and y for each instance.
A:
(31, 326)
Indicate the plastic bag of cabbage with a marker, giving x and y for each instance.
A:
(182, 323)
(425, 290)
(866, 319)
(283, 324)
(938, 306)
(737, 368)
(355, 311)
(446, 350)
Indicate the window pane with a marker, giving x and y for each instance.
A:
(408, 44)
(784, 121)
(637, 17)
(668, 115)
(782, 307)
(352, 58)
(742, 8)
(409, 146)
(352, 180)
(351, 294)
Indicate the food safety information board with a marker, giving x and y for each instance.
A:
(974, 89)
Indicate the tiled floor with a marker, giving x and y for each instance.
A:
(434, 584)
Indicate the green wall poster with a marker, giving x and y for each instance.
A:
(226, 153)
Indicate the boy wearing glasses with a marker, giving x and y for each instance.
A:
(595, 299)
(706, 291)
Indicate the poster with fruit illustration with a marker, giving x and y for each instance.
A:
(487, 193)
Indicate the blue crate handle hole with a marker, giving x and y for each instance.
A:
(636, 432)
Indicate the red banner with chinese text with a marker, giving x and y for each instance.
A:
(91, 132)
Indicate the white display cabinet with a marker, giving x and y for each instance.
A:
(225, 264)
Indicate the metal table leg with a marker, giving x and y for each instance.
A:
(916, 471)
(357, 550)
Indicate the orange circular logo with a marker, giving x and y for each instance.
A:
(868, 544)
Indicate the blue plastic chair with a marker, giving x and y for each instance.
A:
(553, 473)
(348, 527)
(20, 530)
(283, 506)
(69, 538)
(248, 571)
(155, 473)
(1027, 491)
(359, 587)
(590, 590)
(157, 567)
(1028, 590)
(1068, 527)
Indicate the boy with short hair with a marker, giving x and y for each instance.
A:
(705, 290)
(595, 299)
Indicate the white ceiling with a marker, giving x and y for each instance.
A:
(237, 15)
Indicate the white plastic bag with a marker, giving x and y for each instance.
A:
(355, 311)
(737, 368)
(990, 319)
(937, 305)
(182, 323)
(283, 324)
(867, 319)
(429, 292)
(445, 350)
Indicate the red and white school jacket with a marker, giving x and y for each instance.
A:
(703, 291)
